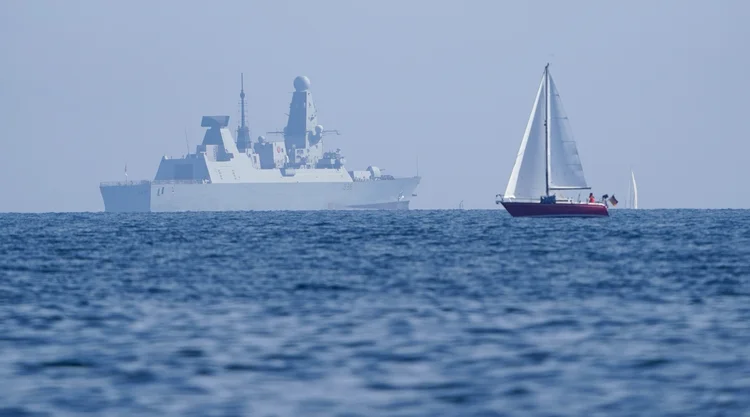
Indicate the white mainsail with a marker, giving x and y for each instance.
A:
(527, 179)
(548, 158)
(635, 191)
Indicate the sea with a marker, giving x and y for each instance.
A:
(357, 313)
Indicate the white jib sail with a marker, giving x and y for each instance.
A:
(566, 171)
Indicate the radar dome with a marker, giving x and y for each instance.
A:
(261, 139)
(301, 83)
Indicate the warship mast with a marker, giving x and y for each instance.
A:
(243, 131)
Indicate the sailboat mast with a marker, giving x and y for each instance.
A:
(546, 128)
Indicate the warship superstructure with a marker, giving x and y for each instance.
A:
(294, 173)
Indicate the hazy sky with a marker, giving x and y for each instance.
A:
(657, 85)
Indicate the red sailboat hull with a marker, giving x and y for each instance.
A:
(528, 209)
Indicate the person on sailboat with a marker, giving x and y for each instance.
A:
(592, 199)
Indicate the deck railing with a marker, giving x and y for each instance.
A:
(144, 182)
(180, 182)
(123, 183)
(499, 198)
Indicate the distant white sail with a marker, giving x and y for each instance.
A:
(528, 177)
(635, 191)
(566, 172)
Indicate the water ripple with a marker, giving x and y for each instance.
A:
(465, 313)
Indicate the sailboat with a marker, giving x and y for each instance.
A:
(547, 164)
(632, 192)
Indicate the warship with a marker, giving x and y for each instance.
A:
(237, 174)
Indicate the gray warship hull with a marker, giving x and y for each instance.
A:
(237, 174)
(154, 196)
